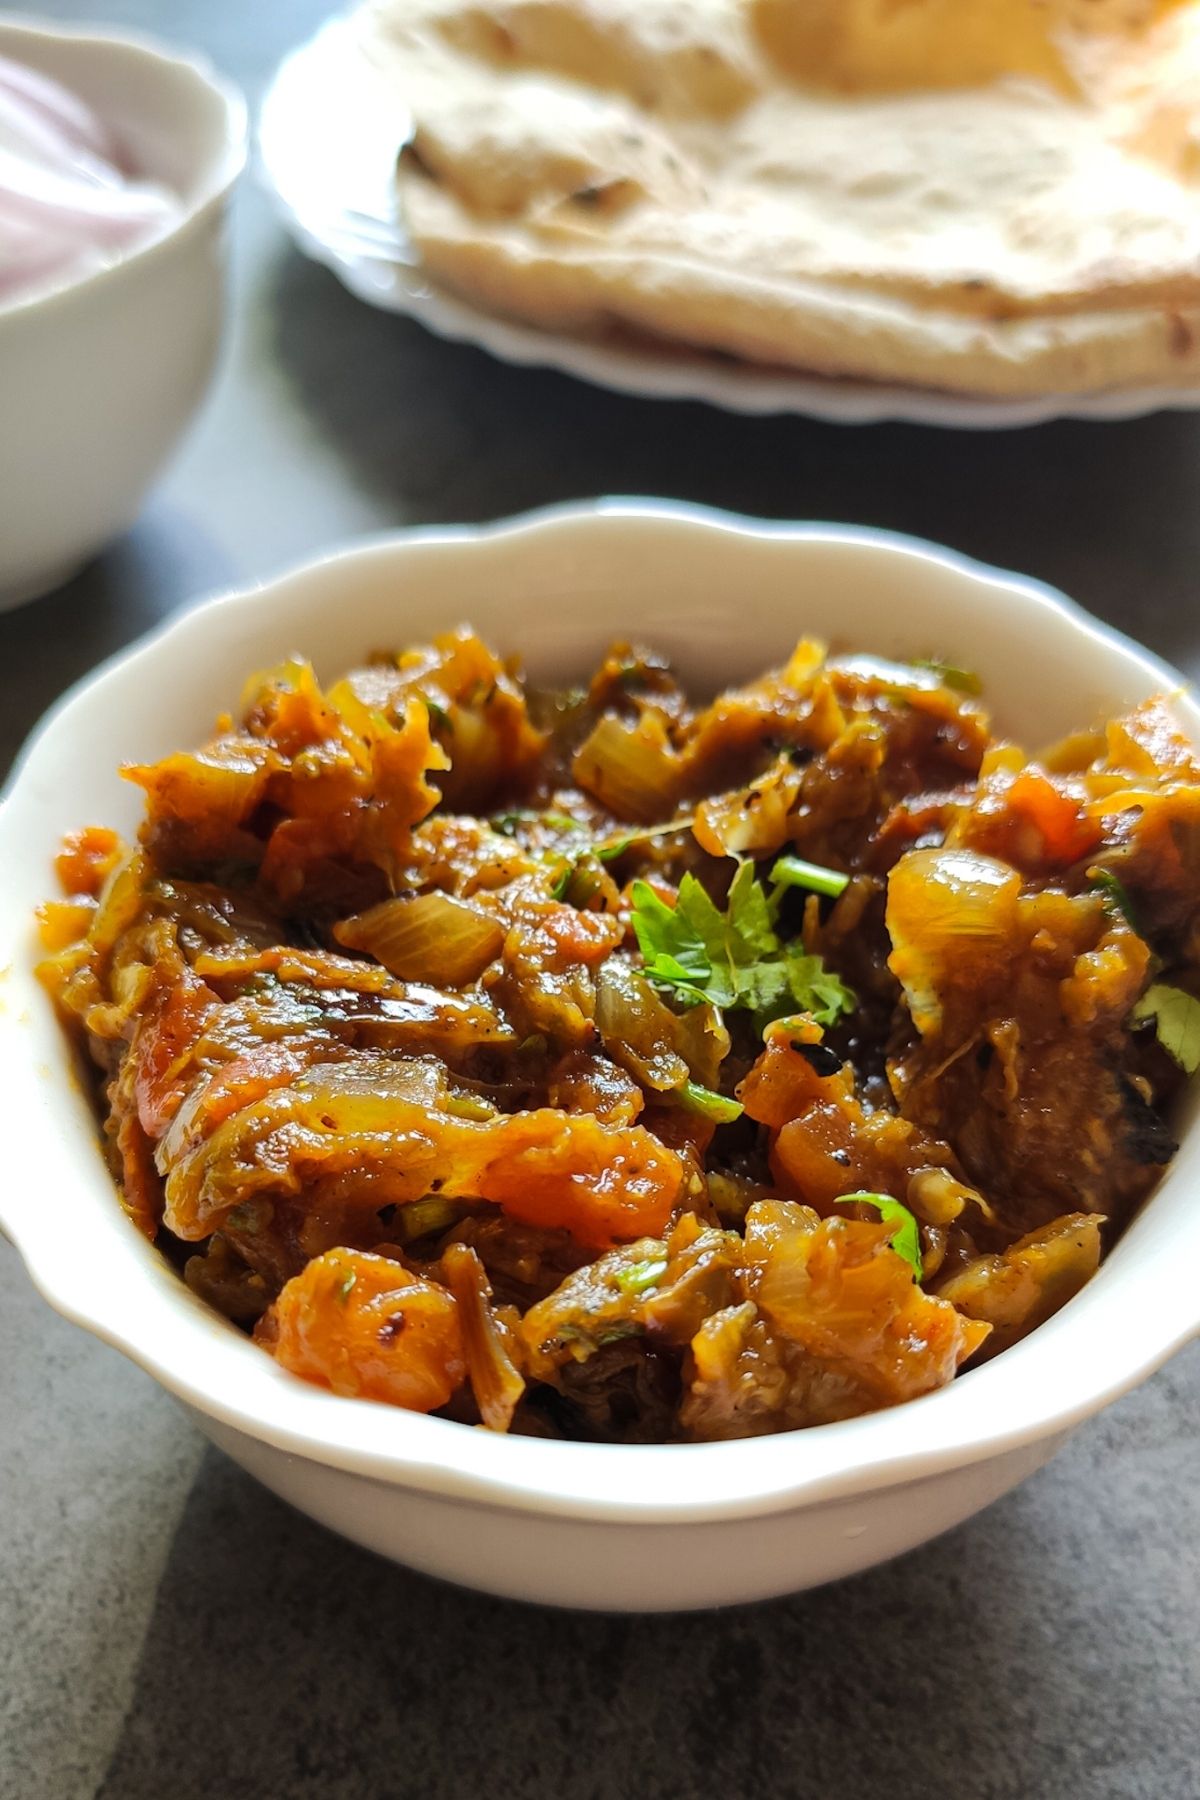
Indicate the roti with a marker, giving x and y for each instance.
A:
(996, 197)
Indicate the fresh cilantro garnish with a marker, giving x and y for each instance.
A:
(702, 1100)
(731, 958)
(1176, 1018)
(437, 712)
(906, 1239)
(793, 871)
(1115, 896)
(345, 1287)
(965, 680)
(611, 848)
(817, 990)
(641, 1275)
(580, 882)
(616, 847)
(674, 940)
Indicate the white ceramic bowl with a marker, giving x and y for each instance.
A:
(99, 379)
(577, 1524)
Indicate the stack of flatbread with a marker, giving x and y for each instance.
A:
(995, 197)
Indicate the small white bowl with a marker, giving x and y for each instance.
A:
(576, 1524)
(99, 378)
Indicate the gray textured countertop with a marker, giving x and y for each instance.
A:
(167, 1628)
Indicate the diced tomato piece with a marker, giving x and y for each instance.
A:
(364, 1325)
(604, 1185)
(164, 1039)
(87, 859)
(1066, 832)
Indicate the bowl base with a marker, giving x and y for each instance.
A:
(606, 1566)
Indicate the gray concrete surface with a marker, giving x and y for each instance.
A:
(168, 1630)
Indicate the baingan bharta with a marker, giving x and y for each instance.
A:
(607, 1064)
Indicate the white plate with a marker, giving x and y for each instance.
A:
(329, 136)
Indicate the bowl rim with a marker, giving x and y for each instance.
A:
(218, 173)
(624, 1484)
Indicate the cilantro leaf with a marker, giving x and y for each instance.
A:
(673, 951)
(793, 871)
(965, 680)
(732, 958)
(703, 919)
(610, 848)
(639, 1276)
(702, 1100)
(1115, 896)
(906, 1239)
(610, 851)
(749, 917)
(764, 989)
(1176, 1018)
(580, 881)
(817, 990)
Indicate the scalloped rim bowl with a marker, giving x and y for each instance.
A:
(578, 1524)
(100, 377)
